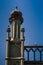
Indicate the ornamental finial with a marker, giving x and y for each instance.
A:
(16, 8)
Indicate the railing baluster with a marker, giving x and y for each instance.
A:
(40, 56)
(34, 55)
(28, 55)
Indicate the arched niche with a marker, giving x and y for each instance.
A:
(42, 55)
(25, 54)
(37, 55)
(31, 55)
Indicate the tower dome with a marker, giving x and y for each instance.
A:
(15, 15)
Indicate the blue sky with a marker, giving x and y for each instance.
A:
(33, 22)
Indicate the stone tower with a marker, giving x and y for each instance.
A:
(15, 43)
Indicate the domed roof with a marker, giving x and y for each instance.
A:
(15, 11)
(16, 14)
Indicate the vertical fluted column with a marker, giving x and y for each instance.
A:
(13, 28)
(7, 45)
(22, 46)
(18, 29)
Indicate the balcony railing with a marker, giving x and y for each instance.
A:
(35, 53)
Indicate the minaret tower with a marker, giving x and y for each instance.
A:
(15, 44)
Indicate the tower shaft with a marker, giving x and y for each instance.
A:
(14, 45)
